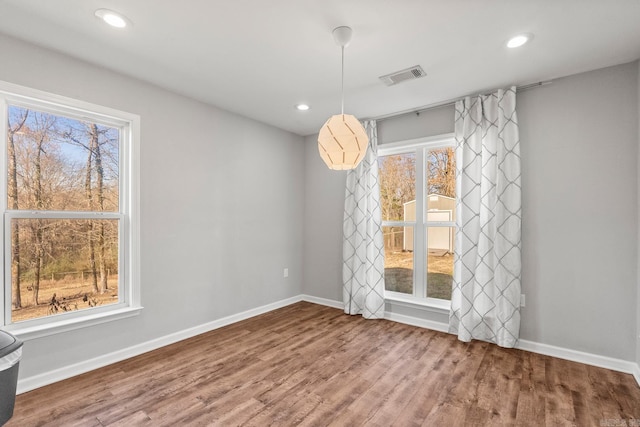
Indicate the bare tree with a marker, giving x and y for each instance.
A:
(397, 184)
(12, 190)
(45, 124)
(441, 178)
(95, 229)
(94, 147)
(90, 233)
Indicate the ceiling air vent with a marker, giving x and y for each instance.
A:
(412, 73)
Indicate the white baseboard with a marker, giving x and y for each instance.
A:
(40, 380)
(322, 301)
(581, 357)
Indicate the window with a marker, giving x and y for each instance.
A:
(69, 197)
(418, 201)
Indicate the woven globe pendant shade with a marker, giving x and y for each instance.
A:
(342, 142)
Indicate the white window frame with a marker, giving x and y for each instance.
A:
(129, 303)
(420, 147)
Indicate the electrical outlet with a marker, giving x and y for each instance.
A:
(522, 300)
(286, 272)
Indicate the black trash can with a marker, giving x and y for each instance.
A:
(10, 355)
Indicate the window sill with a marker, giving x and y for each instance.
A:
(55, 327)
(435, 305)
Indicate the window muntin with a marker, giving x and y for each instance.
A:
(419, 176)
(69, 184)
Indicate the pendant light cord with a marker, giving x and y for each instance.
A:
(343, 80)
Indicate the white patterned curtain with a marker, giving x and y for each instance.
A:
(485, 303)
(363, 246)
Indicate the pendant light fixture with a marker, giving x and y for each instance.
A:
(342, 140)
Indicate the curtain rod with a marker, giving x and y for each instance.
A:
(450, 102)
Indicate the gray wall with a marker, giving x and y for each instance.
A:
(221, 207)
(323, 209)
(579, 142)
(580, 190)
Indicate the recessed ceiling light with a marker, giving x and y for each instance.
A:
(112, 18)
(519, 40)
(302, 107)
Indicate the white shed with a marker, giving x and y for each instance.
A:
(439, 208)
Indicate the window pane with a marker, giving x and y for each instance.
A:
(398, 261)
(58, 163)
(64, 265)
(397, 175)
(440, 262)
(441, 184)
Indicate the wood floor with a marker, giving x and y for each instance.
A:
(312, 365)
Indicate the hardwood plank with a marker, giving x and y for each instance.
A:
(586, 405)
(315, 366)
(531, 405)
(445, 414)
(391, 377)
(242, 413)
(173, 409)
(501, 377)
(440, 362)
(139, 418)
(290, 410)
(559, 403)
(449, 382)
(336, 394)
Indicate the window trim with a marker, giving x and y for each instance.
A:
(417, 146)
(128, 213)
(436, 305)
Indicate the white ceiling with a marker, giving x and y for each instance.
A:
(259, 58)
